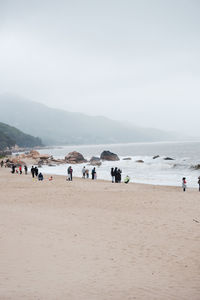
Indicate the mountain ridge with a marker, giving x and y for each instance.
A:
(60, 127)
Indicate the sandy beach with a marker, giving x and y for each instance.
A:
(94, 240)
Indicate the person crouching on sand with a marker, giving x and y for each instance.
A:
(184, 184)
(126, 179)
(40, 177)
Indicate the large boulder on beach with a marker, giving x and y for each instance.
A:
(196, 167)
(44, 156)
(33, 154)
(75, 158)
(95, 161)
(139, 161)
(156, 156)
(107, 155)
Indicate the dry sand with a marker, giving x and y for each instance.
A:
(97, 240)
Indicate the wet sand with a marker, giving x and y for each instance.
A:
(97, 240)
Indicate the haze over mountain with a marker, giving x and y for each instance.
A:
(11, 136)
(59, 127)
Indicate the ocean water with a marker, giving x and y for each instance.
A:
(152, 171)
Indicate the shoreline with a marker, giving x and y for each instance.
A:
(47, 175)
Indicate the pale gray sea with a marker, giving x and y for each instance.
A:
(152, 171)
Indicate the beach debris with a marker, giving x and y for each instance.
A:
(196, 221)
(156, 156)
(127, 158)
(75, 158)
(107, 155)
(139, 161)
(168, 158)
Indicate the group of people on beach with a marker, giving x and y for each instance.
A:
(116, 174)
(86, 173)
(184, 183)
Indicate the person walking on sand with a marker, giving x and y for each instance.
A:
(184, 184)
(199, 182)
(1, 163)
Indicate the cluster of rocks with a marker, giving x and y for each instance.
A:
(35, 158)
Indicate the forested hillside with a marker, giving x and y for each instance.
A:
(11, 136)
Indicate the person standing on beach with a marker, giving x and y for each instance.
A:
(13, 169)
(20, 169)
(70, 171)
(36, 171)
(112, 173)
(83, 172)
(87, 173)
(115, 174)
(25, 169)
(184, 184)
(2, 163)
(199, 182)
(33, 171)
(94, 173)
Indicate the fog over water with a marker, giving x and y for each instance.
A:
(136, 61)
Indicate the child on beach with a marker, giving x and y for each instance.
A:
(184, 184)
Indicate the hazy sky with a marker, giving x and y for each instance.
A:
(130, 60)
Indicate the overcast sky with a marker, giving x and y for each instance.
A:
(130, 60)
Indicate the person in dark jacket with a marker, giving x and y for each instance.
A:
(36, 171)
(40, 176)
(115, 174)
(13, 169)
(25, 169)
(199, 182)
(33, 171)
(70, 171)
(93, 173)
(112, 173)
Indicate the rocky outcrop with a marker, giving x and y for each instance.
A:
(33, 154)
(74, 158)
(196, 167)
(156, 156)
(139, 161)
(95, 161)
(127, 158)
(168, 158)
(107, 155)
